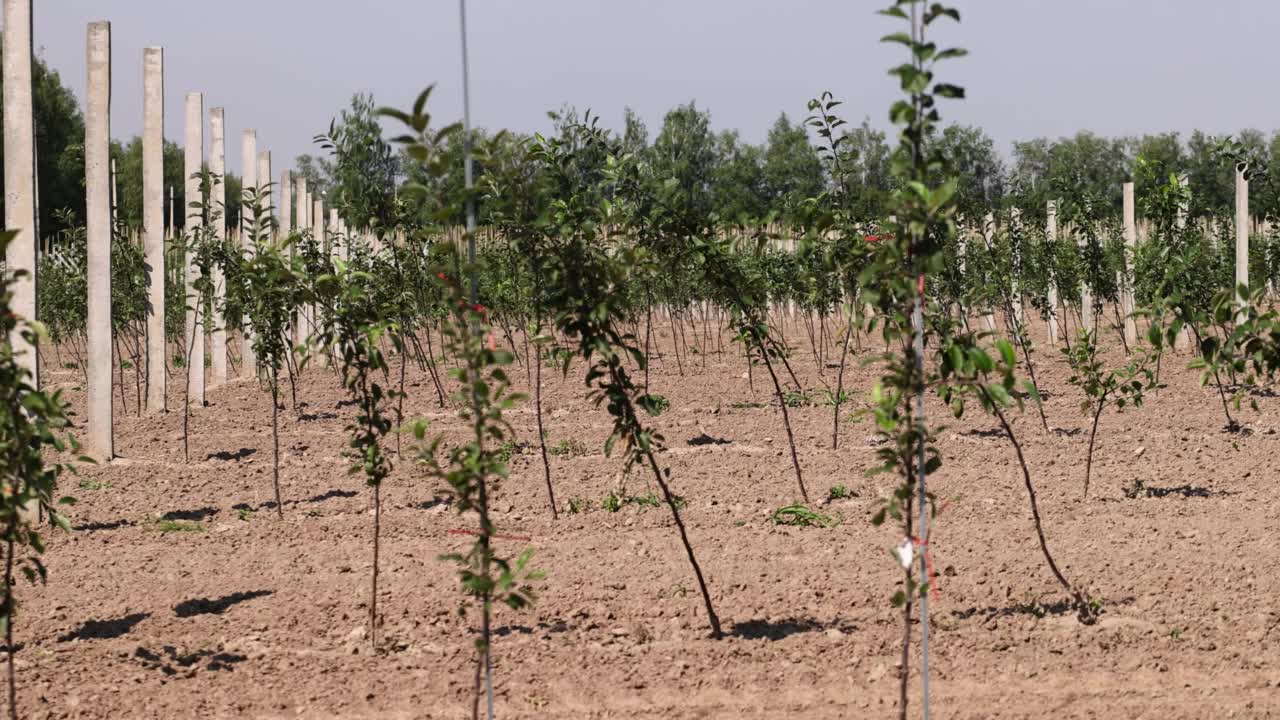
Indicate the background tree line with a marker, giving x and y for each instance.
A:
(721, 173)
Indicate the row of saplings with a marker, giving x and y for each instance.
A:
(353, 312)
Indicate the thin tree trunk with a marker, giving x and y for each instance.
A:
(712, 618)
(835, 419)
(786, 418)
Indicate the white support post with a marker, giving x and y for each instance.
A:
(1126, 280)
(217, 207)
(193, 161)
(20, 176)
(1015, 226)
(302, 322)
(1051, 237)
(286, 204)
(339, 245)
(153, 222)
(988, 238)
(317, 220)
(115, 195)
(99, 440)
(1183, 340)
(264, 180)
(1242, 238)
(248, 184)
(1086, 292)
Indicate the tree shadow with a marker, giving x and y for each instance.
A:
(240, 454)
(192, 515)
(171, 661)
(95, 526)
(559, 626)
(1187, 491)
(271, 504)
(705, 439)
(1067, 432)
(988, 433)
(1034, 608)
(435, 502)
(321, 415)
(216, 606)
(773, 631)
(104, 629)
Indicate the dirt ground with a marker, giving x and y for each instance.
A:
(251, 616)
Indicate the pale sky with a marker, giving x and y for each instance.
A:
(1037, 67)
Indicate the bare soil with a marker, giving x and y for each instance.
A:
(248, 616)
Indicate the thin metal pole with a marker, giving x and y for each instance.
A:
(471, 260)
(923, 498)
(466, 150)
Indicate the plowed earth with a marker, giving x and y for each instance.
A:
(229, 612)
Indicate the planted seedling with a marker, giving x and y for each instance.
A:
(33, 429)
(471, 470)
(1102, 386)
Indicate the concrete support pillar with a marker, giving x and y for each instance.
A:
(264, 179)
(1130, 250)
(286, 204)
(99, 440)
(248, 172)
(193, 159)
(153, 244)
(317, 223)
(115, 195)
(218, 214)
(1051, 237)
(339, 245)
(20, 174)
(1242, 233)
(1015, 247)
(317, 229)
(302, 322)
(1086, 292)
(1183, 340)
(988, 238)
(248, 183)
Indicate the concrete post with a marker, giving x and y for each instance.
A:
(317, 222)
(218, 213)
(1086, 292)
(20, 174)
(338, 246)
(115, 195)
(248, 183)
(153, 221)
(97, 174)
(1051, 237)
(1180, 223)
(988, 239)
(264, 179)
(1242, 235)
(286, 204)
(1130, 250)
(262, 176)
(193, 159)
(248, 171)
(302, 321)
(1015, 226)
